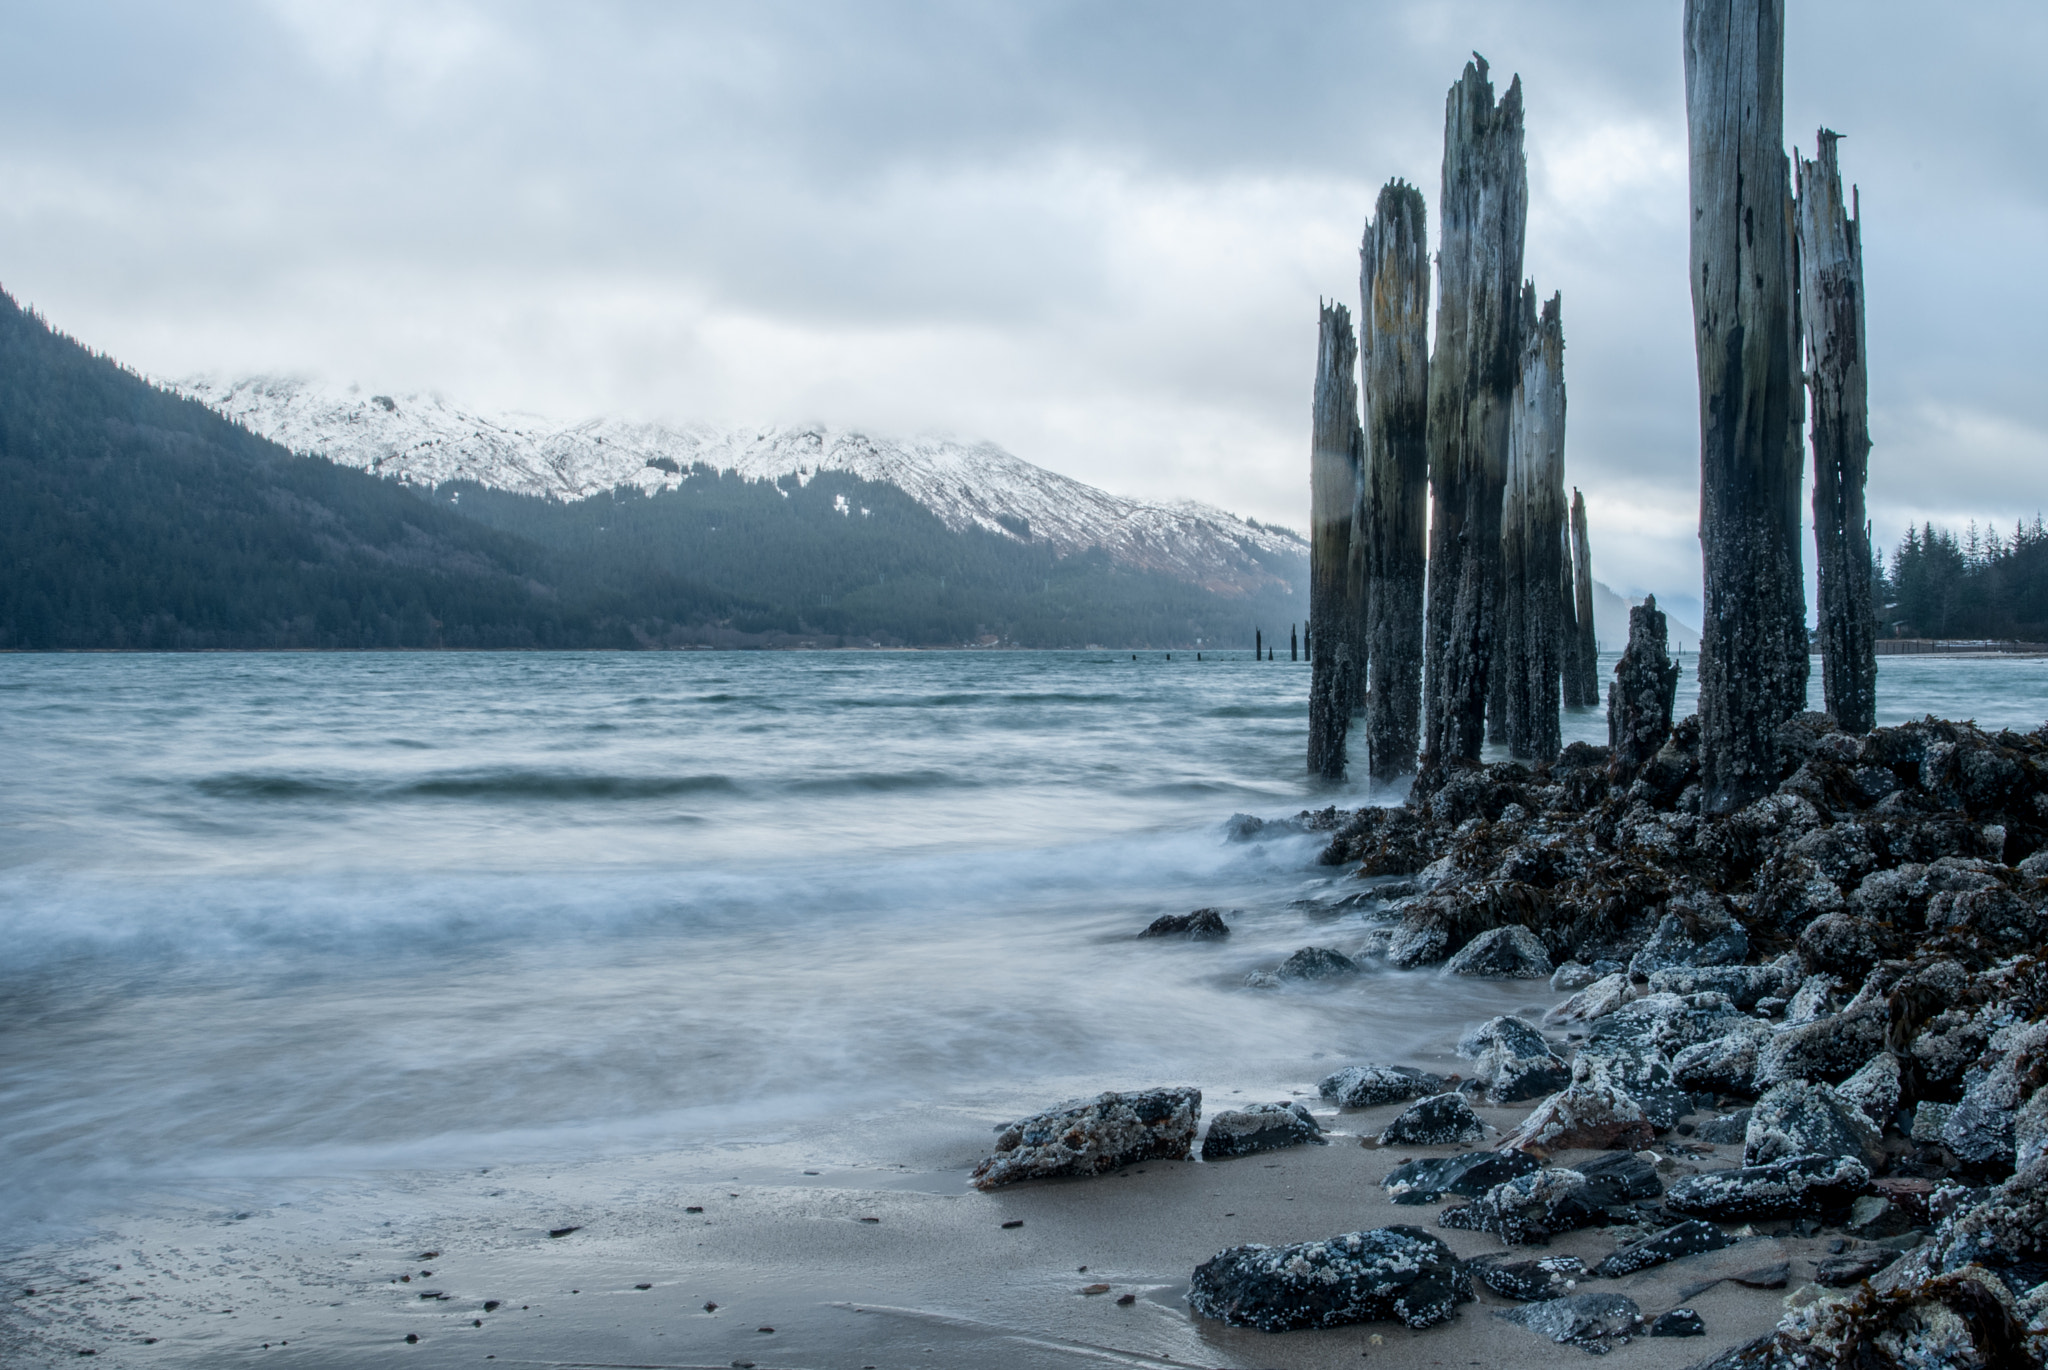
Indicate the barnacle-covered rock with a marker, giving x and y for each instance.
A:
(1798, 1185)
(1095, 1137)
(1388, 1274)
(1366, 1086)
(1260, 1127)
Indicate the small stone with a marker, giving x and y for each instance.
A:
(1586, 1320)
(1929, 1119)
(1367, 1086)
(1765, 1276)
(1441, 1120)
(1093, 1289)
(1512, 952)
(1260, 1127)
(1126, 1300)
(1317, 963)
(1688, 1238)
(1854, 1267)
(1468, 1174)
(1571, 977)
(1203, 925)
(1729, 1127)
(1529, 1208)
(1679, 1322)
(1530, 1281)
(563, 1231)
(1014, 1222)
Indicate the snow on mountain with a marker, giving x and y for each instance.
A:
(423, 440)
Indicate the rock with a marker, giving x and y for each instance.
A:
(1811, 1000)
(1529, 1208)
(1602, 997)
(1587, 1320)
(1571, 977)
(1530, 1281)
(1724, 1064)
(1929, 1119)
(1981, 1130)
(1744, 985)
(1510, 953)
(1688, 1238)
(1950, 1322)
(1801, 1119)
(1638, 1070)
(1388, 1274)
(1827, 1049)
(1620, 1178)
(1788, 1188)
(1440, 1120)
(1852, 1267)
(1691, 939)
(1094, 1137)
(1765, 1276)
(1366, 1086)
(1679, 1322)
(1839, 944)
(1317, 963)
(1874, 1089)
(1203, 925)
(2030, 1131)
(1468, 1174)
(1590, 1116)
(1729, 1127)
(1514, 1062)
(1260, 1127)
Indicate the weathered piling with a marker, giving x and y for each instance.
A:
(1532, 639)
(1293, 645)
(1753, 653)
(1639, 699)
(1393, 283)
(1336, 462)
(1582, 666)
(1258, 644)
(1471, 387)
(1831, 308)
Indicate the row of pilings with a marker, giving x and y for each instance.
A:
(1488, 630)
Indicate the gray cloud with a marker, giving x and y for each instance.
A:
(1093, 233)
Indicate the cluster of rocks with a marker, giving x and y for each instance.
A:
(1846, 975)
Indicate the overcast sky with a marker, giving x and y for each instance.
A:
(1094, 233)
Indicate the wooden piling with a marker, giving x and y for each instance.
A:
(1532, 640)
(1393, 344)
(1471, 388)
(1831, 308)
(1753, 654)
(1336, 458)
(1582, 665)
(1639, 700)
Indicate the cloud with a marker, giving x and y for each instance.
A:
(1095, 234)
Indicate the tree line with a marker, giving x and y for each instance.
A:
(1981, 584)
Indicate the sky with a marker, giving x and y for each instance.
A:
(1096, 234)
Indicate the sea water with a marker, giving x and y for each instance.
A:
(272, 919)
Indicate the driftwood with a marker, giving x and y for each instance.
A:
(1831, 303)
(1582, 662)
(1753, 651)
(1532, 638)
(1472, 379)
(1645, 684)
(1393, 282)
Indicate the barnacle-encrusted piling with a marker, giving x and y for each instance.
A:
(1336, 461)
(1531, 657)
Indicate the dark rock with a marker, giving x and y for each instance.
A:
(1203, 925)
(1801, 1119)
(1852, 1267)
(1765, 1276)
(1468, 1174)
(1689, 937)
(1529, 1208)
(1828, 1049)
(1620, 1178)
(1260, 1127)
(1317, 963)
(1513, 1061)
(1839, 944)
(1366, 1086)
(1591, 1321)
(1094, 1137)
(1571, 977)
(1981, 1130)
(1440, 1120)
(1638, 1070)
(1688, 1238)
(1724, 1064)
(1512, 953)
(1530, 1281)
(1743, 985)
(1729, 1127)
(1874, 1090)
(1389, 1274)
(1592, 1116)
(1679, 1322)
(1782, 1189)
(1948, 1322)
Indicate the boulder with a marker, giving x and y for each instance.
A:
(1530, 1281)
(1468, 1174)
(1602, 997)
(1094, 1137)
(1828, 1049)
(1839, 944)
(1366, 1086)
(1688, 1238)
(1572, 977)
(1388, 1274)
(1260, 1127)
(1797, 1186)
(1529, 1208)
(1203, 925)
(1690, 938)
(2030, 1131)
(1982, 1129)
(1875, 1089)
(1317, 963)
(1620, 1178)
(1724, 1064)
(1744, 985)
(1509, 953)
(1513, 1061)
(1949, 1322)
(1440, 1120)
(1638, 1070)
(1798, 1118)
(1813, 999)
(1590, 1116)
(1591, 1321)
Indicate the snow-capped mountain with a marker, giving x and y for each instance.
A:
(424, 440)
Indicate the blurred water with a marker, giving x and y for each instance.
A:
(285, 915)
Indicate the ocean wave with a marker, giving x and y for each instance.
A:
(507, 783)
(883, 782)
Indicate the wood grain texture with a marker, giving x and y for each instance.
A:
(1393, 282)
(1476, 362)
(1831, 309)
(1336, 462)
(1753, 652)
(1582, 665)
(1532, 637)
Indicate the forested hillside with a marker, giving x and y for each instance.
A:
(132, 518)
(1977, 585)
